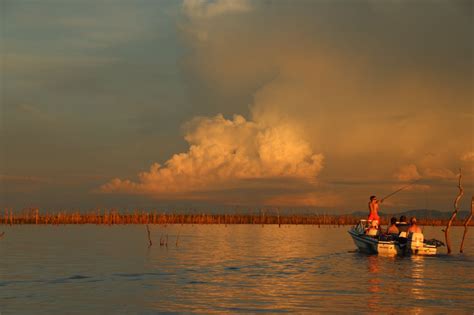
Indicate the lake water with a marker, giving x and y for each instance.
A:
(218, 269)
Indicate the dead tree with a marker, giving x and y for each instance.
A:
(149, 238)
(455, 212)
(278, 215)
(466, 224)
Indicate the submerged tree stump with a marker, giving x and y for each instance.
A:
(149, 237)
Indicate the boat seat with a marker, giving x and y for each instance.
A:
(372, 232)
(403, 237)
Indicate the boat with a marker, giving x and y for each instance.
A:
(403, 244)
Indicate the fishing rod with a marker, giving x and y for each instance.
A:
(398, 190)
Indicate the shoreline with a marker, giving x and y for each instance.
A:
(142, 217)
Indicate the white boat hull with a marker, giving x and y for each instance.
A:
(372, 245)
(364, 243)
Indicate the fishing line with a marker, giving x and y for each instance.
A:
(398, 190)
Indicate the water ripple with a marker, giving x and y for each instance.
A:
(216, 269)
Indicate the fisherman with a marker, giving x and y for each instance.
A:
(393, 229)
(414, 228)
(374, 205)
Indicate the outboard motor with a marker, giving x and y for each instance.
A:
(416, 242)
(402, 237)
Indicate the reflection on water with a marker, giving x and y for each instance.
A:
(217, 269)
(417, 276)
(374, 283)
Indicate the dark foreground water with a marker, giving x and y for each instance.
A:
(218, 269)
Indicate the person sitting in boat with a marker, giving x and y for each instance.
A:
(374, 205)
(373, 230)
(393, 229)
(402, 224)
(414, 228)
(415, 235)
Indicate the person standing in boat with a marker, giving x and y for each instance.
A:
(374, 206)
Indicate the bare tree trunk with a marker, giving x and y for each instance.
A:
(278, 216)
(455, 212)
(466, 223)
(149, 238)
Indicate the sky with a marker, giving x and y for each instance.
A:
(228, 105)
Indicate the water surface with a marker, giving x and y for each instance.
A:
(218, 269)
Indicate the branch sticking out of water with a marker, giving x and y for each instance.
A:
(2, 234)
(149, 237)
(455, 212)
(278, 216)
(466, 223)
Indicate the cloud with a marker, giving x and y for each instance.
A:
(35, 112)
(20, 179)
(331, 80)
(311, 199)
(208, 9)
(413, 172)
(467, 163)
(407, 173)
(468, 157)
(22, 183)
(27, 71)
(225, 154)
(441, 173)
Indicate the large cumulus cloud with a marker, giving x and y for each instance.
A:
(224, 154)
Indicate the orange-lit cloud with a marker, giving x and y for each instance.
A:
(372, 115)
(468, 157)
(223, 154)
(410, 172)
(206, 9)
(328, 200)
(407, 173)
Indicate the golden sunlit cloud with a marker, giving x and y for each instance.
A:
(407, 173)
(411, 172)
(468, 157)
(222, 154)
